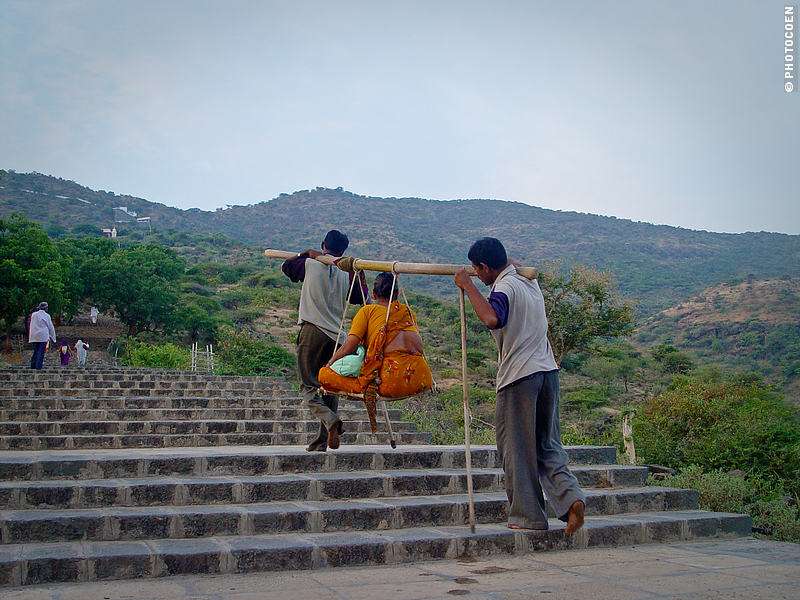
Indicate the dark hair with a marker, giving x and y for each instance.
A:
(489, 251)
(383, 286)
(336, 242)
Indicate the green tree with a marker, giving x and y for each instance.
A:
(140, 284)
(30, 271)
(606, 367)
(582, 306)
(87, 229)
(198, 317)
(671, 360)
(82, 260)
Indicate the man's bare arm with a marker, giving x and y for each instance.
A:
(481, 306)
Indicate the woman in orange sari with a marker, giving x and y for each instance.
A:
(394, 366)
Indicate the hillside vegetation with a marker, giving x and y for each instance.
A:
(752, 324)
(658, 265)
(734, 436)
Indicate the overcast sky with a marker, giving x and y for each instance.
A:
(668, 112)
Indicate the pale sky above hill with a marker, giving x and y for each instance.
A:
(669, 112)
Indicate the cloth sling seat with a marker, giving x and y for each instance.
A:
(391, 376)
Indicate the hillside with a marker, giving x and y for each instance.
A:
(658, 265)
(752, 324)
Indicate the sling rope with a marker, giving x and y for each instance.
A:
(344, 312)
(434, 385)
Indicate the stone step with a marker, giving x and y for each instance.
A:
(70, 377)
(165, 402)
(192, 384)
(180, 440)
(179, 491)
(169, 427)
(309, 516)
(77, 378)
(141, 391)
(56, 372)
(95, 369)
(223, 461)
(179, 414)
(27, 564)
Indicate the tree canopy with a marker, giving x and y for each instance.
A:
(582, 306)
(30, 270)
(140, 284)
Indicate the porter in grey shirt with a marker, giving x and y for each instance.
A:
(521, 334)
(323, 297)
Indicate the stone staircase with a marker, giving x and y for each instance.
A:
(124, 473)
(128, 408)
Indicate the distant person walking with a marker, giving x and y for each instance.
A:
(322, 301)
(526, 412)
(81, 347)
(40, 332)
(93, 313)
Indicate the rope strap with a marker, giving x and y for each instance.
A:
(344, 312)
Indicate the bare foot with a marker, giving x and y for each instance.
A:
(575, 517)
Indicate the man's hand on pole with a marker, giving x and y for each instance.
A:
(463, 279)
(482, 308)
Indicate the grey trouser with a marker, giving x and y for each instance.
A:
(529, 443)
(314, 350)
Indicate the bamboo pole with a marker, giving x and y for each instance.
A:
(467, 416)
(387, 266)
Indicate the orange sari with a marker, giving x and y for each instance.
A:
(392, 376)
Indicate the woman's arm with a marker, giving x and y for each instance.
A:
(349, 347)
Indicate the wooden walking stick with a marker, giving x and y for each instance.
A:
(392, 441)
(467, 416)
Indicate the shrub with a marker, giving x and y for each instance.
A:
(586, 398)
(606, 431)
(236, 297)
(773, 514)
(719, 490)
(734, 424)
(576, 433)
(475, 358)
(442, 415)
(672, 360)
(242, 354)
(243, 316)
(268, 279)
(159, 356)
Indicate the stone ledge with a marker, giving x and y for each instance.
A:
(32, 564)
(362, 514)
(28, 465)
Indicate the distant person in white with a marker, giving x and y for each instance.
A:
(93, 315)
(41, 331)
(81, 347)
